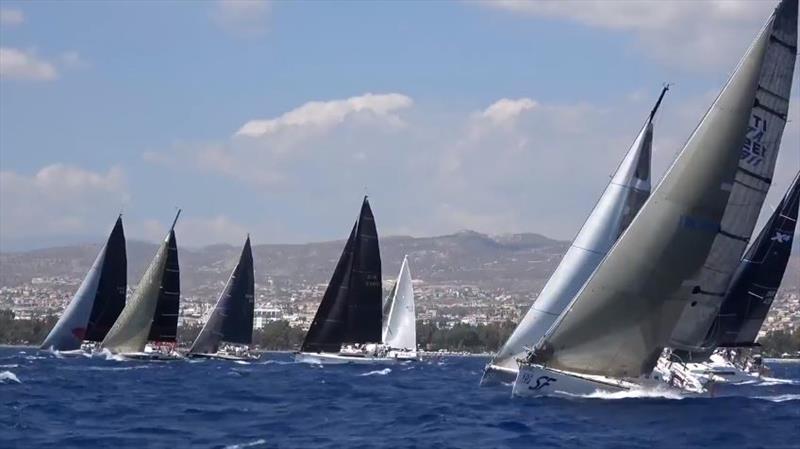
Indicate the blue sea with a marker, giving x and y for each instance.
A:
(50, 402)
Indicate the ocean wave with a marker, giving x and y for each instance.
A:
(635, 394)
(278, 362)
(8, 377)
(13, 365)
(241, 362)
(780, 398)
(381, 372)
(108, 355)
(769, 381)
(248, 444)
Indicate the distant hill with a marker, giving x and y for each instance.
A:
(514, 262)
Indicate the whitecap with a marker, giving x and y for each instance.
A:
(381, 372)
(635, 394)
(769, 381)
(780, 398)
(8, 377)
(258, 442)
(108, 355)
(13, 365)
(241, 362)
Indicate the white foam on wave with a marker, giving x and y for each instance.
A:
(381, 372)
(258, 442)
(108, 355)
(279, 362)
(769, 381)
(115, 368)
(13, 365)
(635, 394)
(8, 377)
(780, 398)
(241, 362)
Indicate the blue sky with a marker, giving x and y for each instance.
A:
(141, 106)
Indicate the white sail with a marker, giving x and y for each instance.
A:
(620, 321)
(620, 202)
(67, 334)
(753, 178)
(400, 331)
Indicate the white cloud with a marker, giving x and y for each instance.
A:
(192, 231)
(11, 16)
(18, 64)
(245, 18)
(686, 34)
(505, 110)
(323, 115)
(59, 200)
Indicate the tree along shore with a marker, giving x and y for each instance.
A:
(431, 336)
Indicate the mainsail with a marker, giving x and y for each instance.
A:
(98, 301)
(232, 318)
(154, 303)
(619, 322)
(350, 311)
(620, 202)
(758, 277)
(759, 152)
(400, 330)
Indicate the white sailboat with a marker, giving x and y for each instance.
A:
(400, 326)
(612, 333)
(620, 202)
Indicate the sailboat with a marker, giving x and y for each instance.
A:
(767, 119)
(399, 334)
(620, 202)
(348, 324)
(98, 301)
(610, 336)
(152, 312)
(231, 321)
(745, 307)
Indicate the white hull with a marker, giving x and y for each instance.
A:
(716, 370)
(496, 375)
(72, 353)
(149, 356)
(341, 359)
(537, 381)
(218, 356)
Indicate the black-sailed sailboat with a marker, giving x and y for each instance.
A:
(348, 324)
(98, 301)
(229, 330)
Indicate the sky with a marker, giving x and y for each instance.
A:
(275, 118)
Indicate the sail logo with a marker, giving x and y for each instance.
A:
(754, 152)
(541, 382)
(781, 237)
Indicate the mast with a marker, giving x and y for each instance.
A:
(616, 208)
(758, 277)
(232, 317)
(131, 330)
(759, 152)
(621, 319)
(98, 300)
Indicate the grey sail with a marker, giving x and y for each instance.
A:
(620, 321)
(620, 202)
(99, 299)
(232, 318)
(131, 330)
(753, 178)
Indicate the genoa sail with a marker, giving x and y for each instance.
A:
(132, 329)
(400, 330)
(758, 277)
(99, 299)
(232, 318)
(759, 153)
(620, 202)
(351, 308)
(622, 318)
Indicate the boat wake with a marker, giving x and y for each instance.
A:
(108, 355)
(8, 377)
(278, 362)
(780, 398)
(769, 381)
(381, 372)
(633, 394)
(241, 362)
(13, 365)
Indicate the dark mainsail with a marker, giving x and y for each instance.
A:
(110, 297)
(165, 320)
(351, 309)
(758, 276)
(232, 318)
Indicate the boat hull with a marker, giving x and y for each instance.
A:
(149, 356)
(497, 375)
(537, 381)
(228, 357)
(325, 358)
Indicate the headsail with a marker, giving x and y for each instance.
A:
(232, 318)
(749, 189)
(758, 277)
(400, 331)
(619, 322)
(99, 299)
(350, 311)
(131, 330)
(620, 202)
